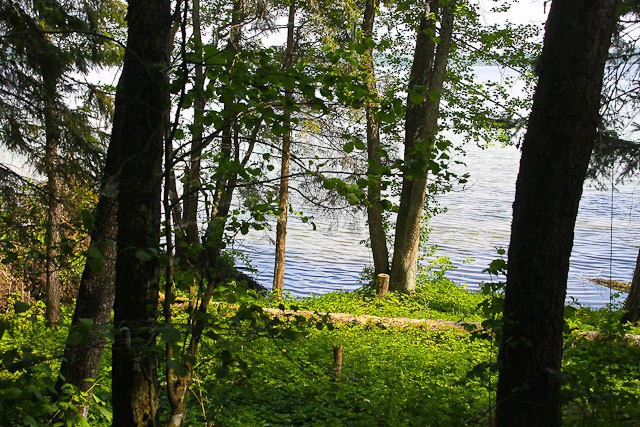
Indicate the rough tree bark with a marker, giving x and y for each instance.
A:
(53, 230)
(423, 107)
(138, 129)
(377, 234)
(555, 154)
(283, 191)
(81, 358)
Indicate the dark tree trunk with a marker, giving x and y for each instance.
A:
(377, 233)
(632, 303)
(51, 71)
(81, 359)
(138, 129)
(555, 154)
(53, 231)
(426, 80)
(283, 191)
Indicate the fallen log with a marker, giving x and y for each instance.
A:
(616, 285)
(390, 322)
(365, 319)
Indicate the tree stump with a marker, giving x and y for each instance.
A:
(382, 285)
(337, 358)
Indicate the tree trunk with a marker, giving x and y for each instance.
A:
(555, 154)
(632, 303)
(283, 191)
(53, 232)
(423, 106)
(192, 184)
(377, 234)
(81, 359)
(51, 71)
(138, 128)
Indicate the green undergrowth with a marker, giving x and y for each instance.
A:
(30, 355)
(256, 370)
(434, 298)
(601, 373)
(390, 377)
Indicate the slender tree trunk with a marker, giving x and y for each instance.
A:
(53, 138)
(192, 184)
(632, 303)
(377, 232)
(423, 106)
(53, 233)
(139, 130)
(283, 194)
(555, 154)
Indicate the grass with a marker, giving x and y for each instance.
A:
(257, 371)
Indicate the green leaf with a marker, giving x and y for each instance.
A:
(12, 393)
(417, 98)
(360, 48)
(105, 412)
(9, 257)
(95, 258)
(180, 368)
(179, 134)
(144, 255)
(348, 147)
(29, 421)
(171, 335)
(88, 220)
(433, 95)
(20, 307)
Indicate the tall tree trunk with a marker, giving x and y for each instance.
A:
(555, 154)
(138, 129)
(283, 191)
(53, 232)
(377, 234)
(51, 70)
(81, 359)
(632, 303)
(423, 107)
(192, 184)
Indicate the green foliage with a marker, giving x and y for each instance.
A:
(29, 361)
(493, 304)
(389, 377)
(600, 381)
(254, 369)
(22, 239)
(436, 297)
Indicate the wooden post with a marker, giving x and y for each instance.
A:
(337, 358)
(382, 285)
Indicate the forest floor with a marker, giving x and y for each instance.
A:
(256, 368)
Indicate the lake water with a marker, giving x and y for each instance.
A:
(477, 221)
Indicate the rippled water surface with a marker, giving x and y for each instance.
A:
(477, 220)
